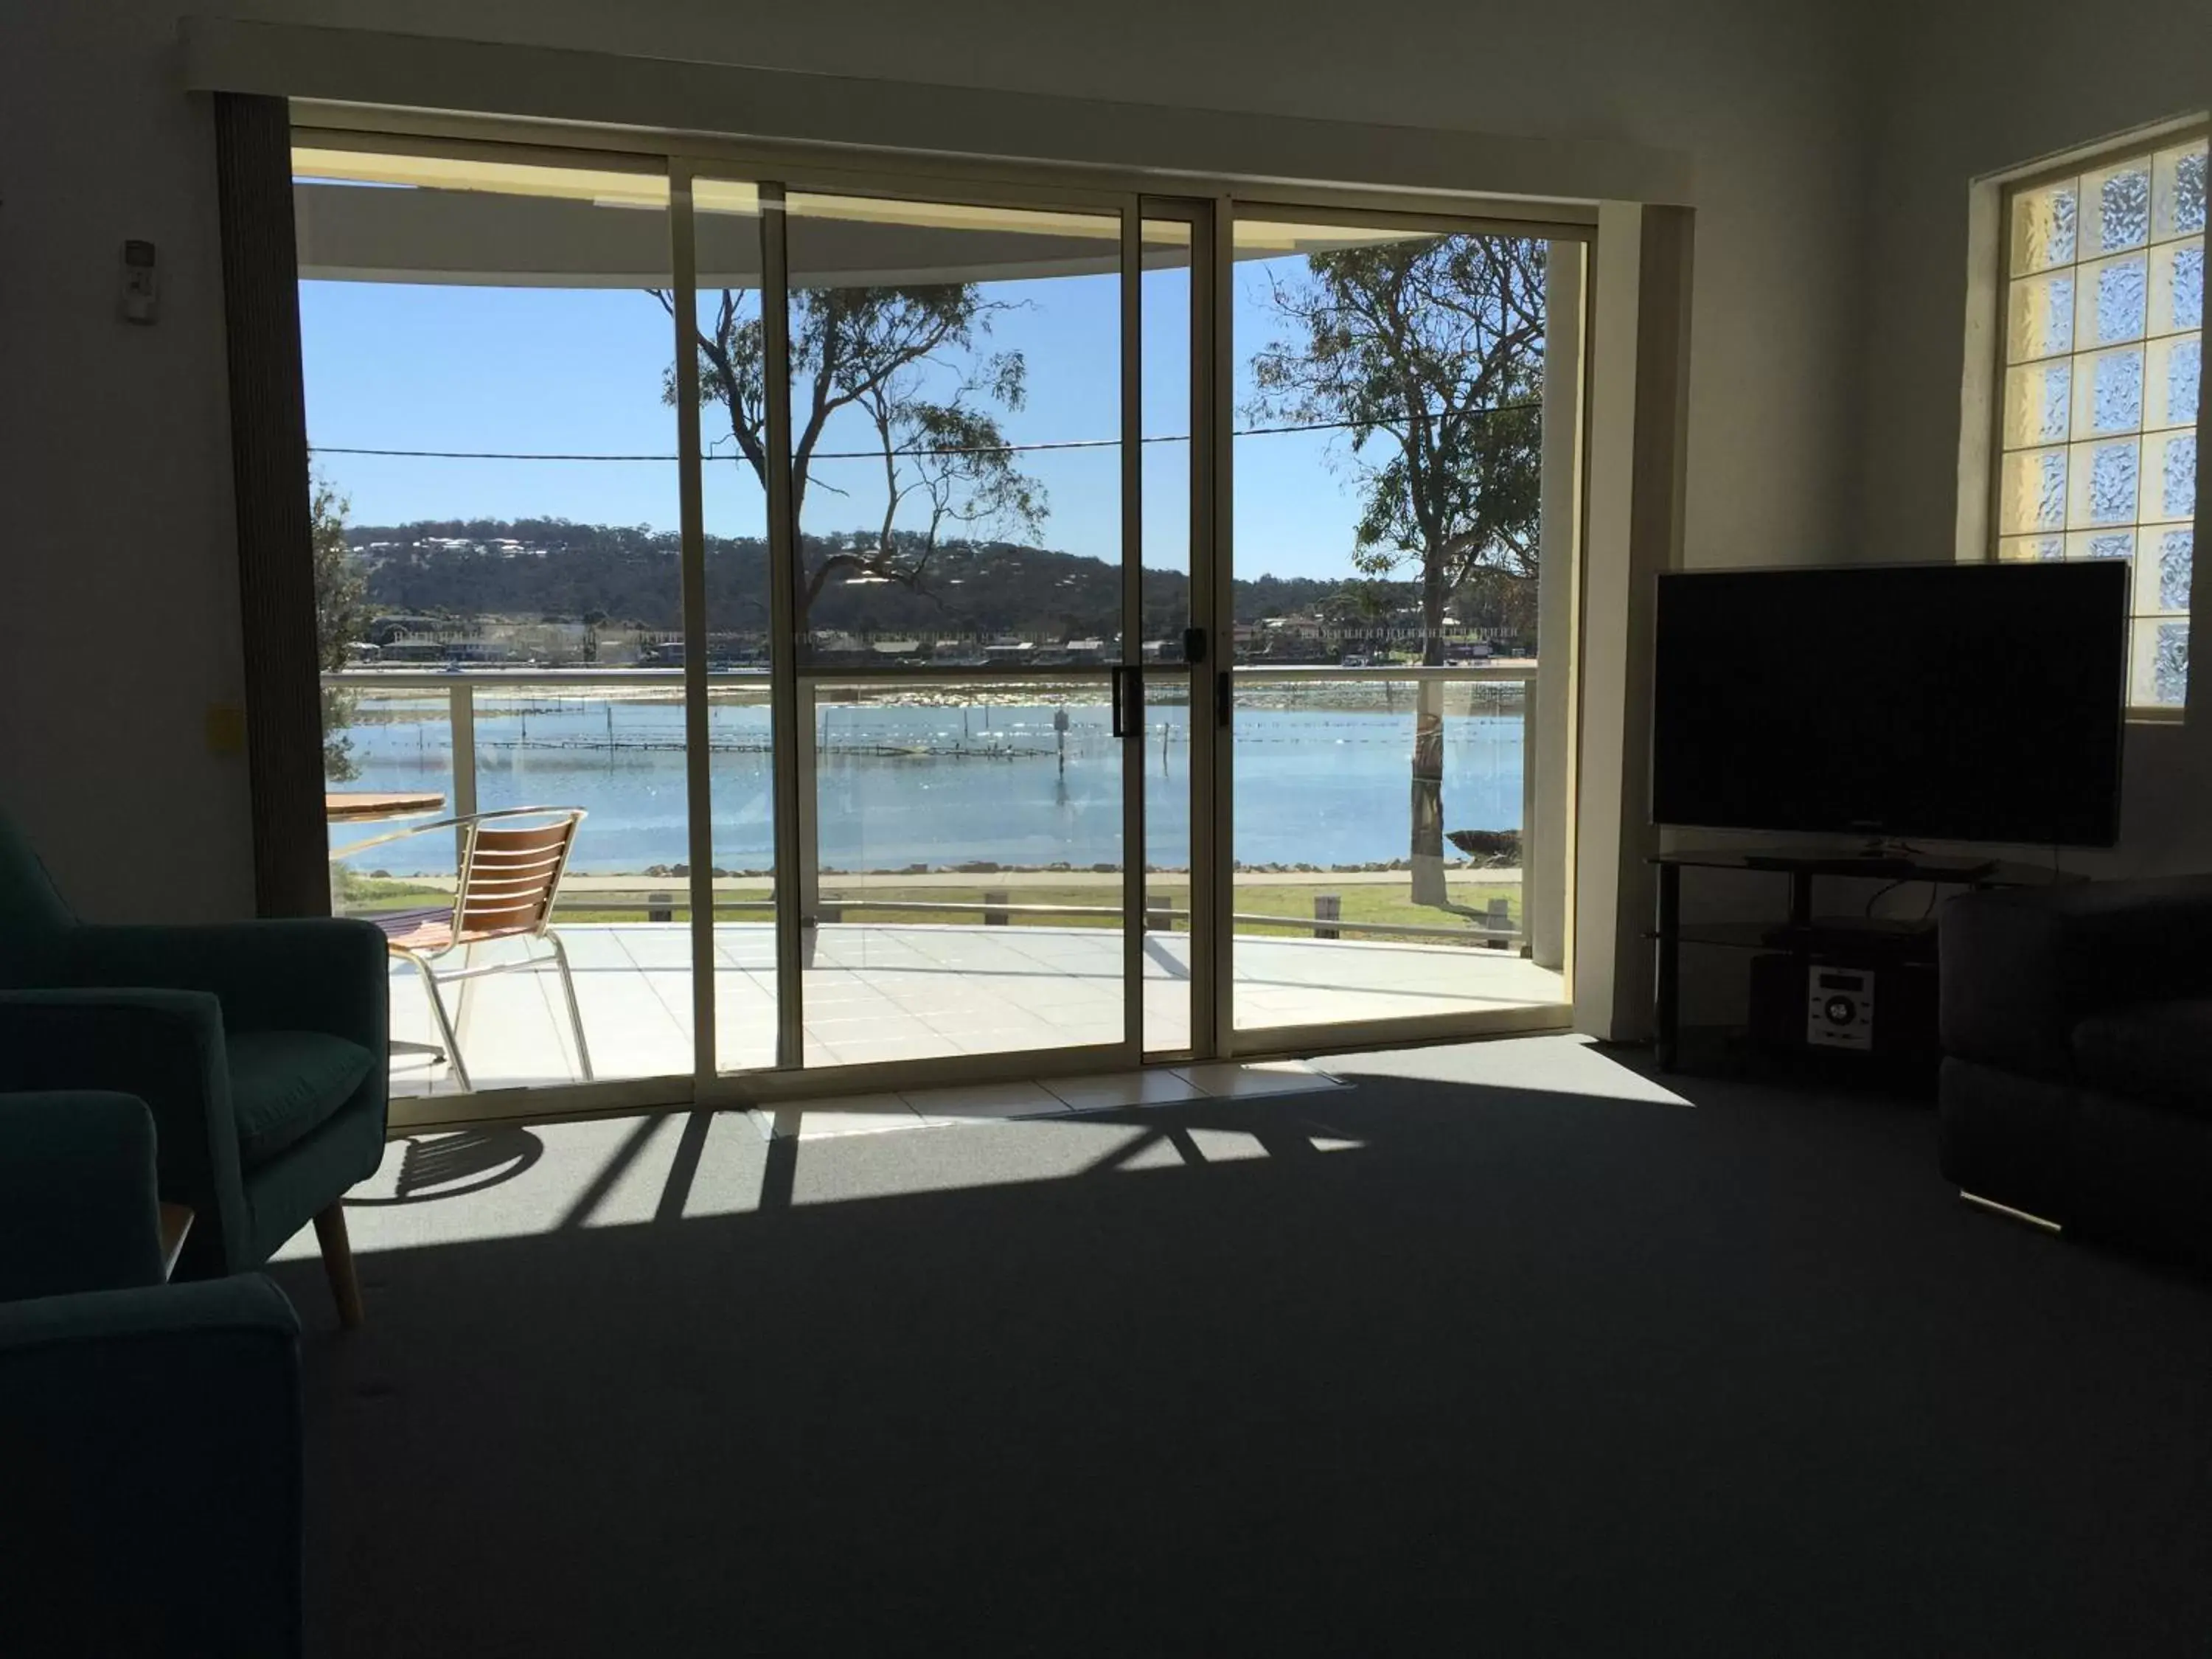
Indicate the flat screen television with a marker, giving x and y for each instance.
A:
(1955, 703)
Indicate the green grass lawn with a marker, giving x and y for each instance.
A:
(367, 896)
(1374, 903)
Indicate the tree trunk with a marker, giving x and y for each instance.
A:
(1427, 815)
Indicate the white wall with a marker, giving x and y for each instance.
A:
(1969, 99)
(121, 627)
(120, 624)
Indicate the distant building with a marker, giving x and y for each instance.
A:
(1305, 637)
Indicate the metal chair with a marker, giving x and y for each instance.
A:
(509, 881)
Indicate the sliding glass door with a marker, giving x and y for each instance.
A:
(856, 554)
(940, 383)
(1402, 564)
(496, 561)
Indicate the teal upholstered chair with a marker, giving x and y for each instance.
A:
(258, 1046)
(149, 1433)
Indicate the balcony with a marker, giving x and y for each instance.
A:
(952, 990)
(911, 951)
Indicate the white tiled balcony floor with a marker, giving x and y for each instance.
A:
(903, 992)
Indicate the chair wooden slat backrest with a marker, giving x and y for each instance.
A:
(510, 879)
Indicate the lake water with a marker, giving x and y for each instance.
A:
(903, 784)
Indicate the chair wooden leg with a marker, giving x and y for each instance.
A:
(338, 1263)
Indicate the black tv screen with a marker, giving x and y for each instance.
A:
(1958, 701)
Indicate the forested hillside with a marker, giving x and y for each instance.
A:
(541, 568)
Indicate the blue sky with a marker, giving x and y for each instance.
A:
(400, 366)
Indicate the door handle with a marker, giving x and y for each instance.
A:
(1128, 700)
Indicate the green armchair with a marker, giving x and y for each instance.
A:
(151, 1433)
(259, 1047)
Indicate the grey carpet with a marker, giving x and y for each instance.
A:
(1526, 1372)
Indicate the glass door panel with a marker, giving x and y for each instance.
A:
(956, 475)
(956, 455)
(484, 345)
(1164, 756)
(970, 868)
(1390, 383)
(1166, 420)
(1336, 773)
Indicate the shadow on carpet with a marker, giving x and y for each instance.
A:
(1513, 1371)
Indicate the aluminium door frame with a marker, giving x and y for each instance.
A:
(698, 804)
(790, 677)
(1213, 207)
(1214, 1030)
(1129, 709)
(1197, 214)
(1349, 1036)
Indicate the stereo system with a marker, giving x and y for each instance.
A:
(1840, 1007)
(1821, 1002)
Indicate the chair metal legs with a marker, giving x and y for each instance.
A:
(575, 1009)
(444, 1023)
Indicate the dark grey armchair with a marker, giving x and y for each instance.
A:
(2077, 1069)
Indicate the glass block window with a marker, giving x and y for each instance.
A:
(2103, 339)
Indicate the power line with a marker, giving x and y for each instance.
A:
(878, 454)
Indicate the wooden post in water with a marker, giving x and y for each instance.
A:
(1327, 907)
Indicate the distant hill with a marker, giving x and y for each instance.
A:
(552, 568)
